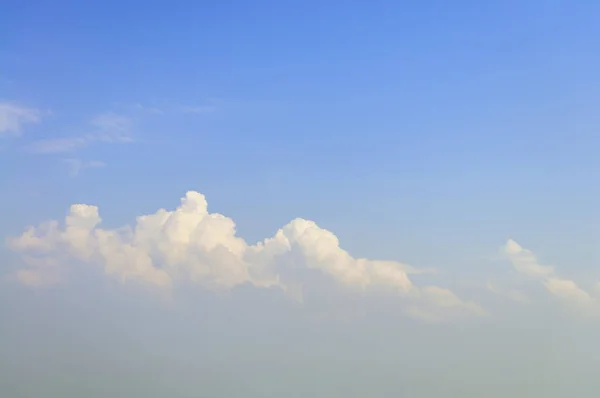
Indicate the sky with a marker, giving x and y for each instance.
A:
(334, 199)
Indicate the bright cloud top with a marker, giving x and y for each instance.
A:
(191, 245)
(526, 263)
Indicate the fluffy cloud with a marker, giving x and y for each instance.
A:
(526, 263)
(13, 117)
(191, 245)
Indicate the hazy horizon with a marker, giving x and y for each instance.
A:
(262, 199)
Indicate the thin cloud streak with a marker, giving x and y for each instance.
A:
(14, 117)
(106, 128)
(76, 166)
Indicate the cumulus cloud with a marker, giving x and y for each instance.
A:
(13, 117)
(526, 263)
(191, 245)
(107, 127)
(568, 290)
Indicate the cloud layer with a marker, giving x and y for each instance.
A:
(189, 245)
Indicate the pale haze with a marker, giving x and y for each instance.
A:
(278, 199)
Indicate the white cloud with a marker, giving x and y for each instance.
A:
(13, 117)
(526, 263)
(107, 127)
(191, 245)
(143, 109)
(568, 290)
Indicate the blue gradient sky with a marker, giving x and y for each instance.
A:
(422, 132)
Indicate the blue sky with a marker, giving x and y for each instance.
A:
(427, 133)
(482, 108)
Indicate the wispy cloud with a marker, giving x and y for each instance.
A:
(140, 109)
(60, 145)
(107, 127)
(111, 127)
(76, 166)
(13, 117)
(144, 109)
